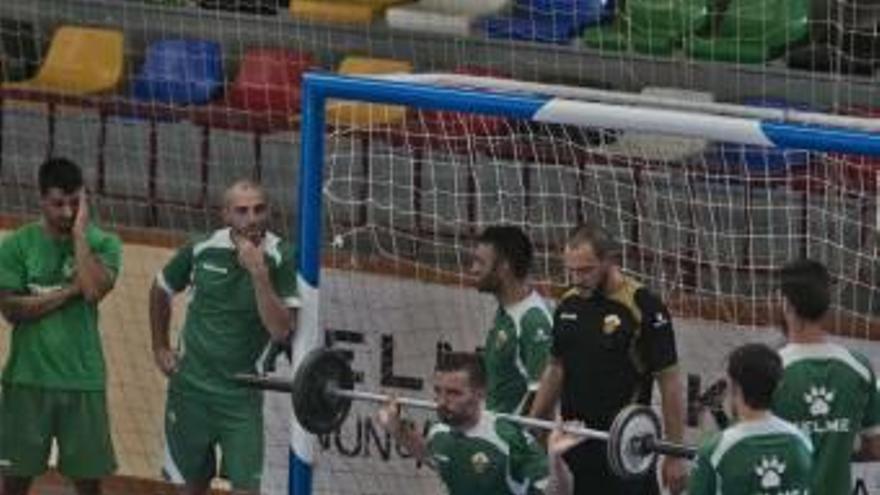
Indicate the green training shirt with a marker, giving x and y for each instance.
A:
(766, 457)
(61, 350)
(516, 352)
(830, 393)
(223, 334)
(495, 457)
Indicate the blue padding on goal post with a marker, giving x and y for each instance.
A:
(822, 138)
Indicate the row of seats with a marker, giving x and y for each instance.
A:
(184, 79)
(845, 38)
(742, 31)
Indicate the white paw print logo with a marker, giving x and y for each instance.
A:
(819, 399)
(770, 471)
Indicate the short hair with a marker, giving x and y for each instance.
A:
(806, 285)
(757, 370)
(512, 245)
(59, 173)
(597, 236)
(243, 184)
(469, 362)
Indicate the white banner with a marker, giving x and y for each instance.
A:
(393, 329)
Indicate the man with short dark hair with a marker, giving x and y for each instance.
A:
(827, 390)
(518, 343)
(760, 453)
(53, 274)
(612, 338)
(473, 451)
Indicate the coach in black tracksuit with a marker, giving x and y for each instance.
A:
(612, 338)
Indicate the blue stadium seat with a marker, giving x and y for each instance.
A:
(175, 74)
(179, 72)
(548, 21)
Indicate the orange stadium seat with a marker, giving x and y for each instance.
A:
(340, 11)
(80, 61)
(362, 115)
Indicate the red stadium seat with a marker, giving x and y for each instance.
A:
(264, 95)
(263, 98)
(451, 131)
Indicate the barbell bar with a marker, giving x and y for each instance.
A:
(322, 392)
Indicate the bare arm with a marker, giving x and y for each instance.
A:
(160, 325)
(276, 317)
(672, 404)
(561, 479)
(19, 308)
(869, 449)
(673, 470)
(548, 392)
(404, 433)
(93, 278)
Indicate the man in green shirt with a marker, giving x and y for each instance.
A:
(475, 452)
(53, 274)
(242, 287)
(827, 390)
(760, 453)
(518, 344)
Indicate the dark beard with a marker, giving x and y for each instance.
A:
(491, 283)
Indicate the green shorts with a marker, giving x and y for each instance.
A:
(195, 427)
(30, 417)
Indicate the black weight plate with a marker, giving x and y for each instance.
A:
(318, 411)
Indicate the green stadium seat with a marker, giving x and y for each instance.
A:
(655, 27)
(755, 31)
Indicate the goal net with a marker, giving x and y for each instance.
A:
(706, 205)
(164, 102)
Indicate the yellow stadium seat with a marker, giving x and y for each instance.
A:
(365, 115)
(341, 11)
(80, 61)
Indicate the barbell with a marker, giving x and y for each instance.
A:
(322, 392)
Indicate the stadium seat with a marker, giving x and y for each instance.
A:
(340, 11)
(180, 72)
(175, 73)
(262, 99)
(655, 27)
(548, 21)
(361, 115)
(443, 16)
(80, 61)
(265, 7)
(263, 96)
(657, 147)
(757, 160)
(754, 31)
(845, 38)
(449, 131)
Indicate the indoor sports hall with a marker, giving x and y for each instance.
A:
(715, 140)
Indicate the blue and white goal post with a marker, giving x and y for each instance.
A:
(766, 127)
